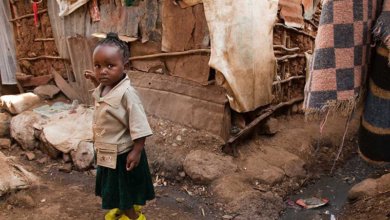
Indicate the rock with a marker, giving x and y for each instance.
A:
(83, 157)
(47, 148)
(370, 187)
(367, 187)
(182, 174)
(5, 120)
(227, 217)
(258, 169)
(291, 164)
(180, 200)
(13, 176)
(228, 187)
(43, 160)
(178, 138)
(30, 156)
(66, 158)
(64, 131)
(256, 205)
(270, 127)
(5, 143)
(384, 183)
(46, 91)
(204, 167)
(67, 168)
(16, 104)
(22, 129)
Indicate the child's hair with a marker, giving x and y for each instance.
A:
(113, 39)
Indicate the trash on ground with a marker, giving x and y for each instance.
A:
(312, 203)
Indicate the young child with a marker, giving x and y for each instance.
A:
(120, 127)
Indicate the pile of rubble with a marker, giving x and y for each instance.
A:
(58, 130)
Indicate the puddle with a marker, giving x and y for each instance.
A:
(335, 188)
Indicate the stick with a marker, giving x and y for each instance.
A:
(267, 112)
(169, 54)
(288, 79)
(289, 57)
(44, 39)
(42, 57)
(296, 30)
(342, 141)
(28, 15)
(285, 48)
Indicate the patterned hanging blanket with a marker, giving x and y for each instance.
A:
(341, 62)
(341, 55)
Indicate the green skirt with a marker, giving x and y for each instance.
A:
(122, 189)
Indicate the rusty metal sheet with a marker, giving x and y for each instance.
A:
(192, 34)
(291, 12)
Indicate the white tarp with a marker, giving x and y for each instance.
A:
(8, 63)
(242, 49)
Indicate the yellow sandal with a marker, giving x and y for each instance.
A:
(113, 214)
(140, 217)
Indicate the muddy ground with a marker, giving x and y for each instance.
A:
(62, 195)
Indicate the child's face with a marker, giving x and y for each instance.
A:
(108, 64)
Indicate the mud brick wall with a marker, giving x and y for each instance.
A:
(27, 37)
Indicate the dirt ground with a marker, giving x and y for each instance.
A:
(62, 195)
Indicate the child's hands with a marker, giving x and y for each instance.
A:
(133, 159)
(88, 74)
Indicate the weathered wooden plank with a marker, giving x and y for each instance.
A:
(65, 87)
(201, 107)
(80, 52)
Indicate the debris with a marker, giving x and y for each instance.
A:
(43, 200)
(203, 213)
(204, 167)
(180, 200)
(227, 217)
(46, 91)
(67, 168)
(178, 138)
(5, 119)
(292, 204)
(312, 203)
(30, 156)
(5, 143)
